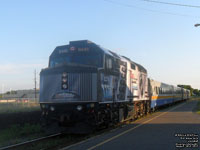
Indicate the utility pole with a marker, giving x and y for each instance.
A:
(2, 90)
(35, 82)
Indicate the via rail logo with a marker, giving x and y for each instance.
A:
(72, 48)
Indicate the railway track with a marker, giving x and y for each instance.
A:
(30, 142)
(77, 138)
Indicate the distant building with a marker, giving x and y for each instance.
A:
(20, 94)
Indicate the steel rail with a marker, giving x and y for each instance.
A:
(29, 142)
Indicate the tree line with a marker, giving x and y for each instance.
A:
(192, 91)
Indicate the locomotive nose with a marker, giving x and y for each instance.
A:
(69, 84)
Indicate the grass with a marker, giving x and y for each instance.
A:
(16, 125)
(18, 107)
(17, 133)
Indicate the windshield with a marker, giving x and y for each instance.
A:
(91, 60)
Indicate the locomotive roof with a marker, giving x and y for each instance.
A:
(87, 43)
(84, 43)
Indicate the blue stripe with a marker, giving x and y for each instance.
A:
(160, 102)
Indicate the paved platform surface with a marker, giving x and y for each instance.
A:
(174, 128)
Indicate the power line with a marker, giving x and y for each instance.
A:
(174, 4)
(149, 10)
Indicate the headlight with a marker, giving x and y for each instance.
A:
(52, 108)
(44, 106)
(92, 105)
(64, 86)
(64, 74)
(64, 80)
(79, 107)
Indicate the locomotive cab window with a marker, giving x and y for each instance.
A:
(116, 65)
(108, 63)
(90, 59)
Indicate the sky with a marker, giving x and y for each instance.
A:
(160, 37)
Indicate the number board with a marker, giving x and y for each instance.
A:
(74, 49)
